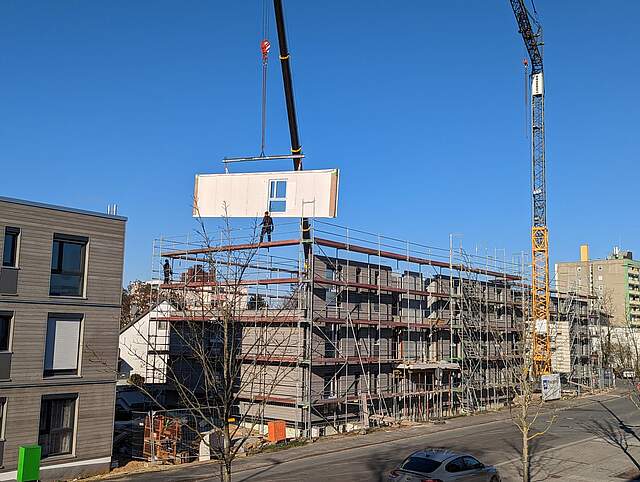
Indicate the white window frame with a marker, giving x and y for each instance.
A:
(273, 195)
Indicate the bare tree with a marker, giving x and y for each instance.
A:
(234, 347)
(136, 298)
(527, 406)
(624, 346)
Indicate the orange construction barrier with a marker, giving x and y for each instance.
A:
(277, 431)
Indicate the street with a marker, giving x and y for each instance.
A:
(592, 439)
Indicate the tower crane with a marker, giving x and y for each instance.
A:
(531, 32)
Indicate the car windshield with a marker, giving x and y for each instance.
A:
(420, 464)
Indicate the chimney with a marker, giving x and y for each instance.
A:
(584, 252)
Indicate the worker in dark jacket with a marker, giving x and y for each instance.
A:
(267, 227)
(166, 268)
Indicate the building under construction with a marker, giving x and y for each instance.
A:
(343, 329)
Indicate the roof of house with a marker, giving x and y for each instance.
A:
(151, 308)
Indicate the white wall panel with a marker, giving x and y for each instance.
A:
(308, 194)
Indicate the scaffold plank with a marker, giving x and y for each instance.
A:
(230, 247)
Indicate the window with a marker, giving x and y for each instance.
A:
(3, 416)
(456, 465)
(472, 463)
(63, 344)
(57, 421)
(10, 252)
(421, 464)
(277, 195)
(5, 330)
(67, 265)
(329, 273)
(331, 298)
(329, 386)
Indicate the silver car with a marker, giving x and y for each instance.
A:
(441, 465)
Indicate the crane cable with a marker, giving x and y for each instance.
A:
(264, 49)
(527, 115)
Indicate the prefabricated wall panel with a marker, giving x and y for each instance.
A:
(248, 195)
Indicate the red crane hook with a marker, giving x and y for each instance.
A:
(264, 47)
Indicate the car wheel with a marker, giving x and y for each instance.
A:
(495, 478)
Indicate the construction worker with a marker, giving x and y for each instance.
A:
(267, 227)
(166, 268)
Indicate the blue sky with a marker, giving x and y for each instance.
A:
(420, 104)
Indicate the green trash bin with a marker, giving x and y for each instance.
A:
(28, 463)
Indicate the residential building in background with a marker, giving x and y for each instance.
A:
(614, 280)
(60, 295)
(141, 341)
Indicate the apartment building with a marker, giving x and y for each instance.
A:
(60, 295)
(614, 280)
(358, 333)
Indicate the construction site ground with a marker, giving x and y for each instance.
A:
(593, 438)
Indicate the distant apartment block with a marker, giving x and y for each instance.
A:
(615, 280)
(60, 295)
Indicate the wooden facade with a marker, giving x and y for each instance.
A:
(98, 308)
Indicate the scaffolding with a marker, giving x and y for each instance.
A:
(343, 329)
(579, 323)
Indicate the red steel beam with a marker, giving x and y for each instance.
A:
(412, 259)
(393, 289)
(386, 323)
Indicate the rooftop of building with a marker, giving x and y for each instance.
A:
(616, 255)
(55, 207)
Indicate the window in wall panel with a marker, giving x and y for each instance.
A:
(63, 344)
(68, 265)
(277, 195)
(57, 424)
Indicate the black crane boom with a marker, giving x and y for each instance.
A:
(296, 148)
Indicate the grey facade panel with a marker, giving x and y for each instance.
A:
(31, 306)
